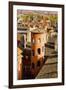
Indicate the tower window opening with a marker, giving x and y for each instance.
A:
(39, 51)
(33, 41)
(39, 40)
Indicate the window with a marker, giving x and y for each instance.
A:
(33, 52)
(39, 51)
(38, 64)
(33, 65)
(39, 40)
(33, 41)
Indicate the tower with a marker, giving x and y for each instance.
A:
(37, 47)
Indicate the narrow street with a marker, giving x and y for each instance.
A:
(49, 69)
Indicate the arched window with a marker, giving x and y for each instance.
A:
(33, 41)
(39, 40)
(38, 50)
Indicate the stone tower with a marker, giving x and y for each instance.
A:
(37, 47)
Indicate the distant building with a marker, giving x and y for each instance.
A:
(22, 38)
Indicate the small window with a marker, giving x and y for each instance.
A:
(38, 64)
(33, 65)
(33, 41)
(39, 40)
(39, 51)
(33, 52)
